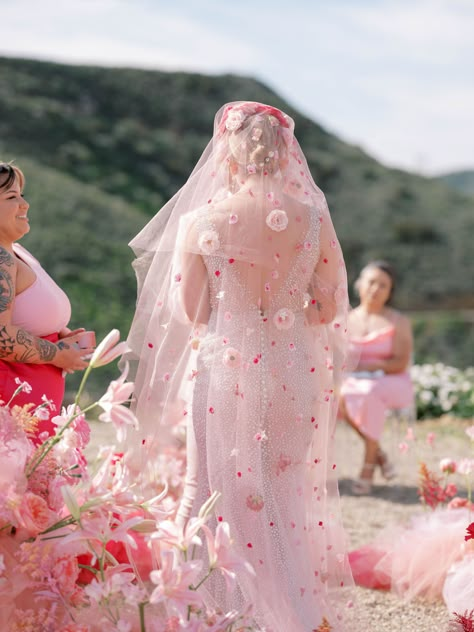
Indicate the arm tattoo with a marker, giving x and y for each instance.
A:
(7, 290)
(6, 258)
(46, 350)
(7, 287)
(26, 340)
(62, 345)
(7, 343)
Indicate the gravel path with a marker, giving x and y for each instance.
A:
(389, 503)
(393, 503)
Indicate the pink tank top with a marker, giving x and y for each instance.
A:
(43, 308)
(374, 346)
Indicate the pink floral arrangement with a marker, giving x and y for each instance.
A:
(462, 622)
(431, 490)
(83, 551)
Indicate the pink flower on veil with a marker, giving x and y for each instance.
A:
(232, 358)
(277, 220)
(234, 121)
(255, 502)
(208, 241)
(284, 318)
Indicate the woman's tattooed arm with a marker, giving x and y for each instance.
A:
(16, 344)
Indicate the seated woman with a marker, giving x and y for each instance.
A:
(382, 338)
(35, 344)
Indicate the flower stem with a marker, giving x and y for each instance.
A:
(202, 580)
(81, 386)
(60, 524)
(141, 609)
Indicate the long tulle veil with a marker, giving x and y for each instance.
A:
(240, 332)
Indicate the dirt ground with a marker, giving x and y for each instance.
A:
(393, 503)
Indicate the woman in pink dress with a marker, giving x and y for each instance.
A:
(35, 344)
(382, 338)
(240, 329)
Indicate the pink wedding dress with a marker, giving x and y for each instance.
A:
(241, 327)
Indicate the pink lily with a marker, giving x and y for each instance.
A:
(102, 528)
(117, 394)
(177, 535)
(221, 555)
(108, 349)
(173, 582)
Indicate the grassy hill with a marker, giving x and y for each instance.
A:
(104, 148)
(462, 181)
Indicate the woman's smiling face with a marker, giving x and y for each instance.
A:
(13, 212)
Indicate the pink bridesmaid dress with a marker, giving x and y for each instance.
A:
(43, 309)
(369, 396)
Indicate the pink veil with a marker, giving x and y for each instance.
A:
(240, 330)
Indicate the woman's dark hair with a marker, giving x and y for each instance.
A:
(386, 267)
(8, 174)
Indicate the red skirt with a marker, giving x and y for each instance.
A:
(44, 379)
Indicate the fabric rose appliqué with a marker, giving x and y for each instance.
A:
(234, 120)
(284, 318)
(208, 241)
(255, 502)
(277, 220)
(232, 358)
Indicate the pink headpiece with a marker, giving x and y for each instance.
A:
(235, 114)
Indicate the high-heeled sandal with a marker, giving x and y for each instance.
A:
(363, 486)
(387, 468)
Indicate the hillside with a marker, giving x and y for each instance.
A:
(104, 148)
(462, 181)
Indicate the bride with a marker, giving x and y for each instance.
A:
(241, 328)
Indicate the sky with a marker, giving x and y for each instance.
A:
(394, 77)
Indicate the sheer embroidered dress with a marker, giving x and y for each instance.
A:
(241, 327)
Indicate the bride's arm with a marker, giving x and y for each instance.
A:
(194, 284)
(322, 307)
(195, 288)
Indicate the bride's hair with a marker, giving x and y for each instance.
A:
(255, 136)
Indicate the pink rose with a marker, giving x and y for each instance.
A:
(33, 513)
(277, 220)
(66, 572)
(447, 466)
(284, 319)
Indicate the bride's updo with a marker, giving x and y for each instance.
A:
(256, 136)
